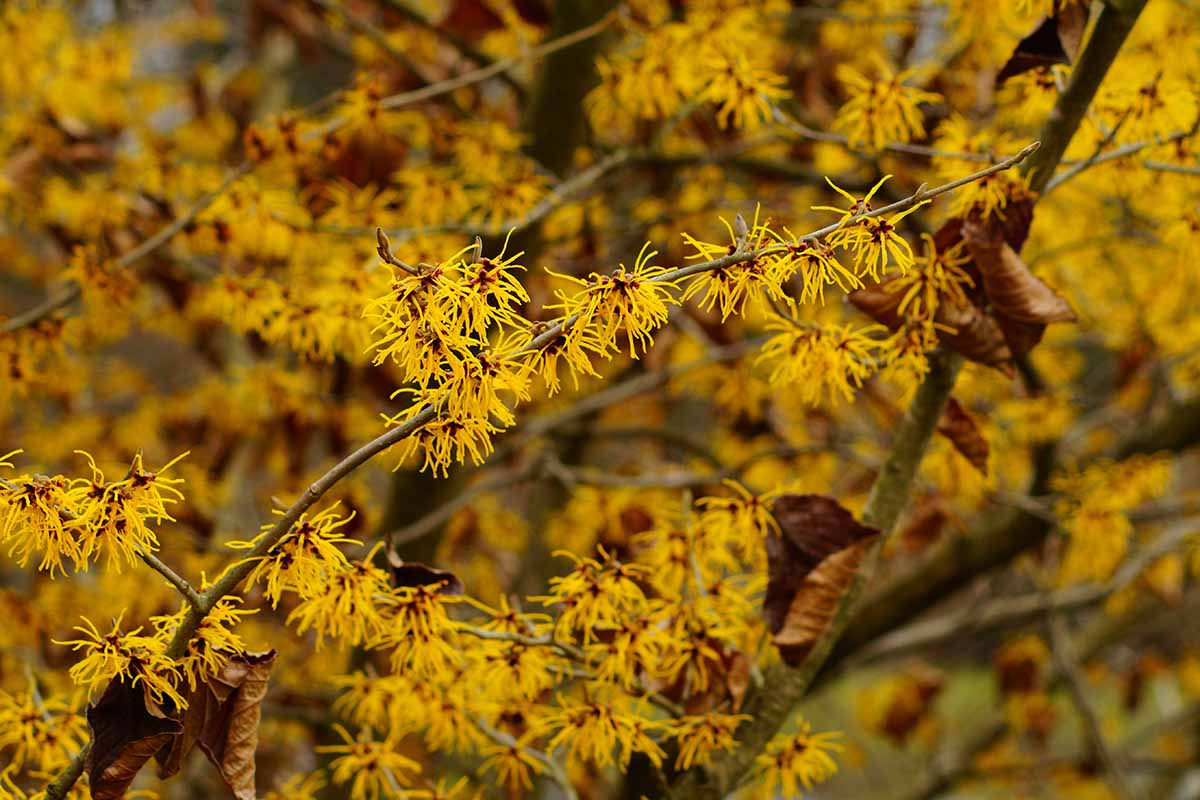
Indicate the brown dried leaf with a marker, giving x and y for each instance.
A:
(201, 704)
(809, 566)
(924, 526)
(1042, 48)
(1012, 288)
(1018, 671)
(1072, 20)
(737, 678)
(230, 734)
(730, 667)
(475, 18)
(878, 303)
(959, 427)
(125, 735)
(911, 702)
(410, 573)
(976, 336)
(1014, 226)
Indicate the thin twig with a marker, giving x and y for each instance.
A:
(919, 196)
(1124, 151)
(443, 512)
(1066, 660)
(186, 589)
(1023, 608)
(1179, 169)
(374, 35)
(566, 191)
(794, 125)
(475, 76)
(72, 291)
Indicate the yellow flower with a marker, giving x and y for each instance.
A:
(817, 264)
(873, 240)
(303, 558)
(794, 764)
(593, 732)
(701, 736)
(1145, 109)
(373, 769)
(347, 608)
(1093, 509)
(518, 672)
(213, 642)
(594, 593)
(836, 359)
(991, 194)
(45, 734)
(31, 519)
(491, 296)
(447, 440)
(881, 111)
(127, 657)
(631, 300)
(632, 648)
(728, 288)
(418, 630)
(937, 276)
(112, 516)
(744, 90)
(416, 322)
(573, 349)
(515, 766)
(298, 787)
(472, 387)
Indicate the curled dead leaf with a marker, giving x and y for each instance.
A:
(1011, 287)
(230, 736)
(960, 428)
(125, 735)
(809, 567)
(879, 303)
(1072, 20)
(1056, 40)
(410, 573)
(970, 332)
(222, 717)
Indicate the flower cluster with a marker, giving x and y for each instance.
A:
(714, 55)
(84, 520)
(1093, 510)
(881, 109)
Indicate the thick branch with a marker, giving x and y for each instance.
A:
(783, 687)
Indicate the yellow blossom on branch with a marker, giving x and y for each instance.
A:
(374, 769)
(303, 558)
(700, 737)
(794, 764)
(817, 360)
(881, 110)
(631, 301)
(139, 660)
(742, 88)
(874, 241)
